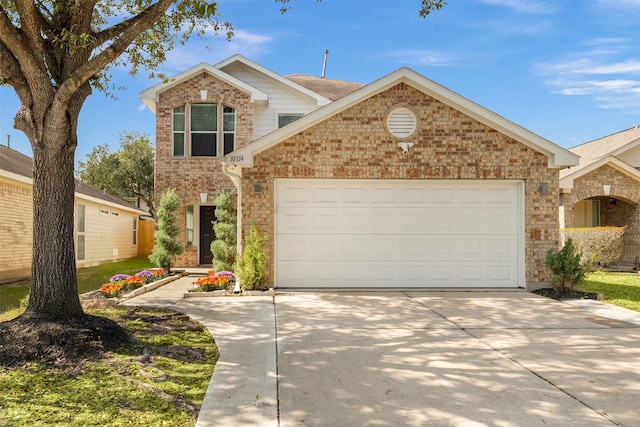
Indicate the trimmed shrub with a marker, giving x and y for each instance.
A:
(166, 245)
(566, 268)
(224, 247)
(252, 266)
(600, 246)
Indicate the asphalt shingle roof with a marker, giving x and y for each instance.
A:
(20, 164)
(329, 88)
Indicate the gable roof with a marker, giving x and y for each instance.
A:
(332, 89)
(18, 166)
(150, 96)
(237, 58)
(558, 156)
(566, 180)
(596, 151)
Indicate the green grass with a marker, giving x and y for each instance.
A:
(119, 390)
(621, 289)
(89, 279)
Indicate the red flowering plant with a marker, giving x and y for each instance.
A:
(213, 281)
(124, 283)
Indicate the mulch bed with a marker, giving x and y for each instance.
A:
(565, 295)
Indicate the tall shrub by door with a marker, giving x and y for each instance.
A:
(166, 245)
(224, 247)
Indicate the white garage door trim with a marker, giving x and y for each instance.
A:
(399, 233)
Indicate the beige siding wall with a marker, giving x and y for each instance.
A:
(16, 229)
(108, 234)
(448, 145)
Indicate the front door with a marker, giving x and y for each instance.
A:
(207, 217)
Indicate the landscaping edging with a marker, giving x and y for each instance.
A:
(96, 300)
(225, 293)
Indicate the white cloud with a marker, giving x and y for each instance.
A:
(419, 57)
(213, 49)
(525, 6)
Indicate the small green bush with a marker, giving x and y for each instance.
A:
(600, 246)
(566, 268)
(252, 266)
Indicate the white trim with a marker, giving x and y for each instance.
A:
(150, 96)
(558, 156)
(321, 100)
(567, 181)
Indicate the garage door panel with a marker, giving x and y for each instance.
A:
(366, 233)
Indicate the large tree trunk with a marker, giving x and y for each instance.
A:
(54, 289)
(54, 286)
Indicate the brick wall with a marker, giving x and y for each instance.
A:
(625, 190)
(16, 230)
(448, 145)
(190, 176)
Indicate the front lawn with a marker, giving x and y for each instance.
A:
(89, 279)
(621, 289)
(158, 380)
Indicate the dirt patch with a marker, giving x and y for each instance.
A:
(29, 338)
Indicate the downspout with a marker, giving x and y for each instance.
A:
(237, 181)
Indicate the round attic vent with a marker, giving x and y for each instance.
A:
(401, 122)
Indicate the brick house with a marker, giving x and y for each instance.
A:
(107, 228)
(604, 188)
(400, 183)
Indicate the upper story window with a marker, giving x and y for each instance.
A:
(196, 131)
(204, 130)
(178, 131)
(229, 129)
(285, 119)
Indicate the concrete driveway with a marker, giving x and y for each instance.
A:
(452, 359)
(414, 359)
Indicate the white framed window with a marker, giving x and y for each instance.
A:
(179, 126)
(204, 130)
(190, 225)
(135, 231)
(80, 230)
(286, 118)
(228, 129)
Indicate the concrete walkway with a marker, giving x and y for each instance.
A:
(415, 359)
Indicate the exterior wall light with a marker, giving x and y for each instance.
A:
(543, 188)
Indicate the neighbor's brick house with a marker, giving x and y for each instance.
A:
(604, 189)
(401, 183)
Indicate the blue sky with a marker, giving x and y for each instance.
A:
(567, 70)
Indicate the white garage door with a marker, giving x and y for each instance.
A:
(398, 233)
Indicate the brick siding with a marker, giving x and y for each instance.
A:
(16, 230)
(626, 192)
(448, 145)
(190, 176)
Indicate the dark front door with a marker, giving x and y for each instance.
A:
(207, 216)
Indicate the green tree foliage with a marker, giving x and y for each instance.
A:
(166, 245)
(566, 267)
(54, 54)
(252, 265)
(224, 247)
(126, 173)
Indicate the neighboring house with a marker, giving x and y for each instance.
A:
(106, 227)
(398, 184)
(604, 188)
